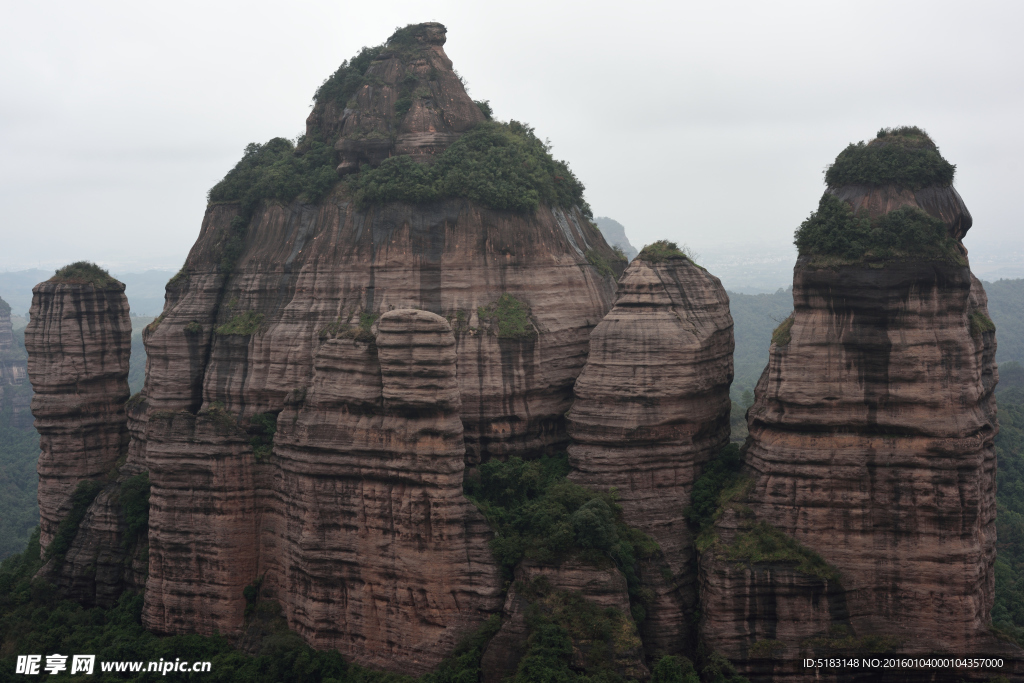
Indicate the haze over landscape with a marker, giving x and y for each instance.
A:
(550, 343)
(116, 118)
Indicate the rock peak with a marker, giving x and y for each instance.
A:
(400, 98)
(427, 33)
(892, 197)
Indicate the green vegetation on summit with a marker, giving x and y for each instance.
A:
(903, 156)
(500, 165)
(341, 86)
(84, 272)
(833, 231)
(278, 171)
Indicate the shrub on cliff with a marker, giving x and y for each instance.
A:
(834, 232)
(278, 171)
(510, 316)
(500, 165)
(567, 633)
(540, 515)
(904, 156)
(134, 499)
(341, 86)
(81, 499)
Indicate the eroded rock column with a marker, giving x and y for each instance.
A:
(371, 546)
(652, 405)
(873, 442)
(78, 341)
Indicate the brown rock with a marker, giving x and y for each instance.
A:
(413, 72)
(879, 400)
(652, 406)
(102, 561)
(78, 340)
(363, 533)
(767, 616)
(306, 269)
(353, 518)
(871, 444)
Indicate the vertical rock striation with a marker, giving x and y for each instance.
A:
(871, 438)
(652, 405)
(78, 341)
(325, 369)
(367, 541)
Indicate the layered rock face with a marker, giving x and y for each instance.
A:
(415, 104)
(652, 406)
(880, 399)
(871, 444)
(15, 395)
(361, 529)
(389, 347)
(308, 268)
(78, 340)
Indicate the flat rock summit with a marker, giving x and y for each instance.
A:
(403, 396)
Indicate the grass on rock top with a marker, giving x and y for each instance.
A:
(84, 272)
(662, 250)
(502, 166)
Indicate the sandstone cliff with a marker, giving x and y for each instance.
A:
(652, 405)
(357, 523)
(410, 102)
(78, 340)
(325, 370)
(871, 444)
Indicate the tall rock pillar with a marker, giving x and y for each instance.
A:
(78, 341)
(652, 405)
(871, 434)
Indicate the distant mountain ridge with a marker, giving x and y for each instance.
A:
(615, 234)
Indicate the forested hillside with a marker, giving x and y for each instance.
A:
(19, 450)
(1006, 307)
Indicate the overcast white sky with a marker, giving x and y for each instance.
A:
(709, 123)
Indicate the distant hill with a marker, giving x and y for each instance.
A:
(755, 317)
(615, 234)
